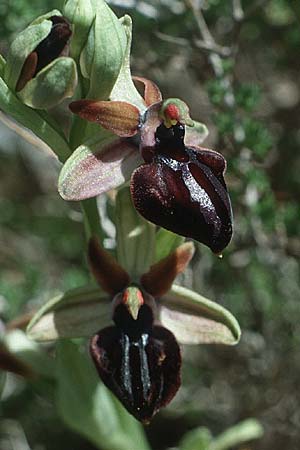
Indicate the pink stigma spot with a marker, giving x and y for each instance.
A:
(172, 112)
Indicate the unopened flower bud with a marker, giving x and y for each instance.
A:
(103, 54)
(81, 15)
(37, 68)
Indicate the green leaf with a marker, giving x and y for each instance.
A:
(31, 119)
(80, 312)
(87, 406)
(135, 237)
(124, 88)
(165, 243)
(196, 320)
(30, 353)
(243, 432)
(197, 439)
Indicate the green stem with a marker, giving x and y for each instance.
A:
(91, 219)
(89, 207)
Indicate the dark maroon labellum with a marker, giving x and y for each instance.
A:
(47, 51)
(182, 189)
(140, 363)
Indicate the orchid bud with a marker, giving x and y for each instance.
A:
(81, 15)
(102, 57)
(36, 66)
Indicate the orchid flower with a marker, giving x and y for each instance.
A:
(177, 184)
(137, 316)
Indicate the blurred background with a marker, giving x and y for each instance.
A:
(237, 65)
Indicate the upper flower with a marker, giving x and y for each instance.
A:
(178, 185)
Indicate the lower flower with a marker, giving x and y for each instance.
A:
(137, 360)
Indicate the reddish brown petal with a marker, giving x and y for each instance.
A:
(28, 70)
(144, 374)
(152, 92)
(160, 277)
(111, 277)
(54, 45)
(121, 118)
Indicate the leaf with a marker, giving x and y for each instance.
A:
(77, 313)
(242, 432)
(196, 320)
(166, 242)
(197, 439)
(87, 407)
(92, 171)
(135, 237)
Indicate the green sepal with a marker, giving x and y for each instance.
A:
(46, 16)
(78, 313)
(51, 85)
(135, 237)
(103, 54)
(196, 320)
(81, 15)
(21, 47)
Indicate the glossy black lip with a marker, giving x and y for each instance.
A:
(140, 363)
(182, 189)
